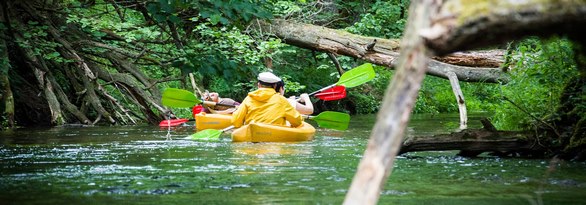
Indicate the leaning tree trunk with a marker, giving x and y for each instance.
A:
(387, 134)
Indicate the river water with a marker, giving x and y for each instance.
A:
(150, 165)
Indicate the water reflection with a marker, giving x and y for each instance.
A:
(264, 158)
(261, 150)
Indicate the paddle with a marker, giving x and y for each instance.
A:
(332, 120)
(196, 109)
(174, 97)
(352, 78)
(173, 122)
(335, 93)
(208, 134)
(180, 98)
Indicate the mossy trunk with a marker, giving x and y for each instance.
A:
(6, 94)
(571, 123)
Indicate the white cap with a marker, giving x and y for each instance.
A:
(268, 77)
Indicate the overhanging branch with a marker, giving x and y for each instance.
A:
(384, 52)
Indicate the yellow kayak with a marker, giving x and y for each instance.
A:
(258, 132)
(212, 121)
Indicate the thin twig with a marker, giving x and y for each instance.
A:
(532, 116)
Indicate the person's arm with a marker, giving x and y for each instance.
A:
(304, 109)
(239, 115)
(226, 111)
(292, 115)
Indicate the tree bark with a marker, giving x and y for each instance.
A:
(387, 134)
(480, 58)
(5, 90)
(477, 141)
(336, 63)
(383, 51)
(39, 69)
(464, 25)
(134, 91)
(459, 100)
(124, 66)
(70, 107)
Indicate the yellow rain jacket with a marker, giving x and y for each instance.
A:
(266, 106)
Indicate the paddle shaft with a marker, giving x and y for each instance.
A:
(210, 103)
(228, 128)
(325, 88)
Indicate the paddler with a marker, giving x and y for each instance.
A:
(266, 105)
(303, 105)
(221, 105)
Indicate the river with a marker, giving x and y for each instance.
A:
(151, 165)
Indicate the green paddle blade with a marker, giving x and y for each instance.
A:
(357, 76)
(332, 120)
(206, 135)
(174, 97)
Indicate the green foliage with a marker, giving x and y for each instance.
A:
(227, 52)
(384, 19)
(286, 8)
(543, 69)
(365, 103)
(219, 11)
(34, 37)
(369, 100)
(480, 97)
(436, 96)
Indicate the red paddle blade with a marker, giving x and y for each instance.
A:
(335, 93)
(173, 122)
(197, 109)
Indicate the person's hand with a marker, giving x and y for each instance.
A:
(304, 97)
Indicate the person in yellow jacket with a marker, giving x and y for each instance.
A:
(266, 105)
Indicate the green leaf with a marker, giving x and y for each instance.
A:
(214, 19)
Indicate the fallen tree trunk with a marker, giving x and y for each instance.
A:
(472, 142)
(467, 66)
